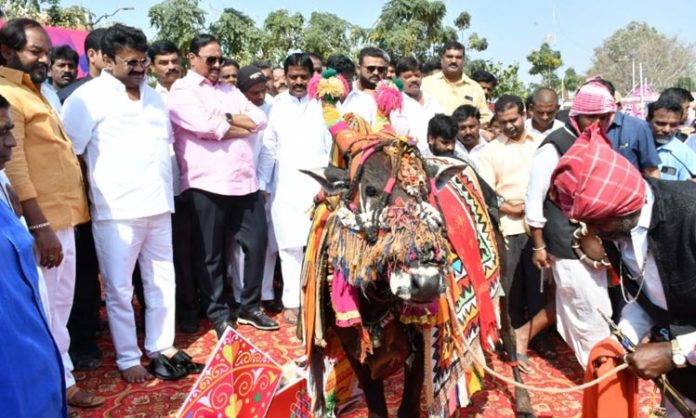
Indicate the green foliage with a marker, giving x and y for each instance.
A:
(48, 12)
(545, 61)
(327, 34)
(239, 37)
(281, 34)
(178, 21)
(571, 79)
(686, 83)
(665, 59)
(507, 75)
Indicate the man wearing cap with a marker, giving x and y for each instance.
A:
(252, 83)
(648, 228)
(581, 290)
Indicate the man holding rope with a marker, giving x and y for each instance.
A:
(648, 228)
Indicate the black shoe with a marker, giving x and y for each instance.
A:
(161, 368)
(274, 306)
(542, 345)
(84, 362)
(181, 360)
(188, 325)
(220, 327)
(257, 319)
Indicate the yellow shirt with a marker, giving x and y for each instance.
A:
(43, 166)
(506, 165)
(452, 95)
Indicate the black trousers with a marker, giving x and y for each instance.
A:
(214, 216)
(84, 316)
(186, 287)
(525, 298)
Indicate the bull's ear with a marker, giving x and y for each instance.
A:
(332, 179)
(442, 169)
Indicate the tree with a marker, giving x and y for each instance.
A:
(665, 59)
(571, 79)
(545, 61)
(47, 12)
(412, 27)
(178, 21)
(507, 76)
(282, 33)
(462, 22)
(327, 34)
(239, 37)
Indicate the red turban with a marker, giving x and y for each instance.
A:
(593, 98)
(593, 182)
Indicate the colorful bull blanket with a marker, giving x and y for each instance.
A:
(472, 287)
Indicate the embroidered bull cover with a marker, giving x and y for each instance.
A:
(239, 381)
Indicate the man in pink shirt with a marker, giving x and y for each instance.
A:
(215, 128)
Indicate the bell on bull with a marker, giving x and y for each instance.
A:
(378, 277)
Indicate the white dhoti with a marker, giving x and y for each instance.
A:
(581, 293)
(59, 288)
(291, 267)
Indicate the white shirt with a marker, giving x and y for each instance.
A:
(126, 146)
(460, 151)
(4, 195)
(176, 173)
(544, 161)
(296, 137)
(261, 153)
(49, 93)
(557, 124)
(635, 322)
(415, 117)
(361, 104)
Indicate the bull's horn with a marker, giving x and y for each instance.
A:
(332, 179)
(442, 169)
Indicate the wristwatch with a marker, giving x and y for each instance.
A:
(678, 357)
(228, 116)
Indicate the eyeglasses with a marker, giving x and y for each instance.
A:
(378, 68)
(212, 60)
(144, 62)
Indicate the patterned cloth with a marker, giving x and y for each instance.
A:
(592, 99)
(593, 182)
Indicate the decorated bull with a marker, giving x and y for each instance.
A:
(401, 267)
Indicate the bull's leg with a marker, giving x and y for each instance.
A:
(413, 379)
(373, 389)
(523, 405)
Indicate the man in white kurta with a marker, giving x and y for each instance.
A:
(121, 128)
(296, 138)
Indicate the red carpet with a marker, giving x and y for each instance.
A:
(162, 399)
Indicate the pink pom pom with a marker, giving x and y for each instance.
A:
(312, 86)
(346, 86)
(388, 98)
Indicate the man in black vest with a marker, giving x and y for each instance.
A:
(648, 228)
(581, 290)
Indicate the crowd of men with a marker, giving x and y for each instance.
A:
(190, 191)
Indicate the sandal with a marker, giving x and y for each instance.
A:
(81, 398)
(522, 363)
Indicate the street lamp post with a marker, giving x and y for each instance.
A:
(93, 21)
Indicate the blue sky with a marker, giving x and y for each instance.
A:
(513, 29)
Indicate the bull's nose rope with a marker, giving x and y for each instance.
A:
(482, 363)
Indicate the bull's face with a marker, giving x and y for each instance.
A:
(391, 232)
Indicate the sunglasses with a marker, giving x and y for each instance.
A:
(144, 62)
(212, 60)
(372, 68)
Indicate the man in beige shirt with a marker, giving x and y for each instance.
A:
(46, 175)
(451, 87)
(505, 164)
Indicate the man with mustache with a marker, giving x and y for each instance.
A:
(451, 88)
(215, 129)
(94, 62)
(131, 196)
(372, 68)
(418, 108)
(229, 71)
(46, 175)
(442, 134)
(648, 228)
(505, 164)
(296, 138)
(677, 161)
(279, 83)
(166, 67)
(64, 62)
(469, 141)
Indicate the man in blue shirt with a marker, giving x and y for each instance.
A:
(30, 364)
(677, 161)
(631, 138)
